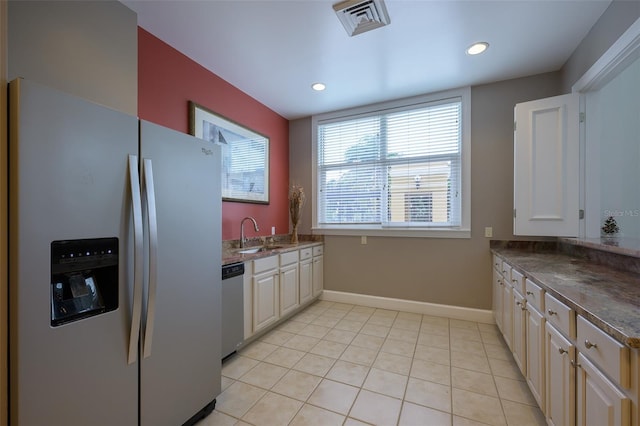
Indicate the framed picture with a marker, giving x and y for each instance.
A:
(245, 155)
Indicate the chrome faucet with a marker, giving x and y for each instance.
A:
(255, 226)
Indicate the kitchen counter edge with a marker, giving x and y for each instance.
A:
(229, 257)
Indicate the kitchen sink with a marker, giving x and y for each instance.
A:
(252, 250)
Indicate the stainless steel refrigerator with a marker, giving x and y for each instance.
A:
(114, 280)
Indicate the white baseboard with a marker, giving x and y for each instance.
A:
(425, 308)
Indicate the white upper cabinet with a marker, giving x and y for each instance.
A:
(546, 167)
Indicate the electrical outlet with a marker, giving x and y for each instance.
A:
(273, 230)
(488, 232)
(363, 239)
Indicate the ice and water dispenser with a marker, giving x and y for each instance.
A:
(84, 278)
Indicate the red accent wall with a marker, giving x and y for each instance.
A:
(168, 80)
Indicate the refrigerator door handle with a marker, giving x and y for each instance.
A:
(138, 261)
(153, 254)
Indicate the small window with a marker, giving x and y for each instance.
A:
(401, 165)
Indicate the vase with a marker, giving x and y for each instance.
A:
(294, 234)
(609, 239)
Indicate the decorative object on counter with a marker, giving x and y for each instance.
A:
(296, 202)
(245, 155)
(610, 230)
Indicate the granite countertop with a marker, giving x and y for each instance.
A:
(231, 255)
(608, 297)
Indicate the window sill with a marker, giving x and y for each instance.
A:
(376, 231)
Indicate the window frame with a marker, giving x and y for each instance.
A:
(462, 231)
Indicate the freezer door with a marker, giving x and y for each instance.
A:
(180, 370)
(68, 181)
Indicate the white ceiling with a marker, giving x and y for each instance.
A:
(274, 50)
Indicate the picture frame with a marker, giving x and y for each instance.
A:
(245, 155)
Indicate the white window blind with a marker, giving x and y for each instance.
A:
(398, 167)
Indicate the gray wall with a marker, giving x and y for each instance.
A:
(614, 21)
(450, 271)
(445, 271)
(89, 49)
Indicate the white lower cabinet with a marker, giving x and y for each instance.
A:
(507, 313)
(519, 343)
(265, 298)
(560, 378)
(535, 332)
(276, 286)
(318, 270)
(497, 298)
(577, 373)
(289, 282)
(306, 275)
(600, 402)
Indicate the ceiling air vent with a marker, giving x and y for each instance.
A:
(359, 16)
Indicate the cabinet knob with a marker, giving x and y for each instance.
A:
(589, 345)
(515, 280)
(550, 312)
(500, 282)
(562, 351)
(519, 303)
(575, 364)
(529, 293)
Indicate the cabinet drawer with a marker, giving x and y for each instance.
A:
(306, 253)
(517, 281)
(497, 263)
(608, 354)
(288, 258)
(264, 264)
(506, 271)
(560, 315)
(318, 250)
(534, 295)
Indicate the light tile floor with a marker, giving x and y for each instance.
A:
(338, 364)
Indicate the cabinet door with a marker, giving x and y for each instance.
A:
(560, 378)
(288, 289)
(519, 343)
(497, 298)
(306, 278)
(535, 355)
(546, 167)
(265, 299)
(507, 314)
(600, 402)
(318, 275)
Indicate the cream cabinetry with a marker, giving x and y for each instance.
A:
(318, 270)
(277, 286)
(560, 378)
(289, 282)
(535, 332)
(519, 316)
(497, 297)
(578, 374)
(603, 371)
(560, 355)
(266, 291)
(600, 401)
(306, 275)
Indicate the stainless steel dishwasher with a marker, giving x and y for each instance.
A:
(232, 308)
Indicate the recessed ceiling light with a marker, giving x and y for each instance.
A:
(477, 48)
(318, 87)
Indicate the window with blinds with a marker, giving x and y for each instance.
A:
(395, 168)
